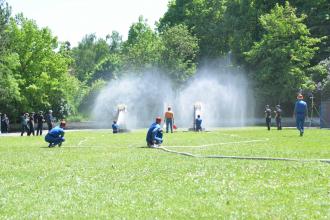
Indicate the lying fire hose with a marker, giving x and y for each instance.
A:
(242, 157)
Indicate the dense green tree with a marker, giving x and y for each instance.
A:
(42, 73)
(279, 58)
(142, 50)
(90, 52)
(179, 54)
(204, 18)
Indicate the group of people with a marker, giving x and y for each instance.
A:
(4, 125)
(300, 113)
(31, 122)
(278, 116)
(155, 132)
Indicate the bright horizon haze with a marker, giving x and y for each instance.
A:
(71, 20)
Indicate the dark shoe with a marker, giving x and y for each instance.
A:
(50, 145)
(60, 144)
(301, 133)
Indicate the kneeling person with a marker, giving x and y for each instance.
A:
(155, 134)
(56, 135)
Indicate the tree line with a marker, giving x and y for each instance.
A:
(282, 45)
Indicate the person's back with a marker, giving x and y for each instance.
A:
(198, 123)
(56, 132)
(56, 135)
(115, 127)
(154, 134)
(300, 108)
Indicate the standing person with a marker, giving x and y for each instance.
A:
(24, 123)
(49, 120)
(56, 135)
(0, 122)
(268, 116)
(31, 125)
(155, 134)
(115, 127)
(198, 123)
(278, 117)
(40, 121)
(5, 123)
(169, 119)
(300, 112)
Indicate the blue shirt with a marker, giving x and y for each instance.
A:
(198, 122)
(154, 133)
(56, 132)
(115, 127)
(300, 107)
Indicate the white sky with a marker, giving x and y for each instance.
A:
(72, 19)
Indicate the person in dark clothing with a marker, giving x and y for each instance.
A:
(155, 134)
(268, 116)
(40, 121)
(115, 127)
(198, 123)
(0, 123)
(4, 124)
(50, 120)
(278, 117)
(31, 125)
(24, 123)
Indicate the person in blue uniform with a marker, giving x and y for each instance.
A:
(300, 112)
(56, 135)
(155, 134)
(198, 123)
(115, 127)
(268, 116)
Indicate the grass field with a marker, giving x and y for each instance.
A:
(105, 176)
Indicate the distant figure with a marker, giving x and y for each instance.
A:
(300, 112)
(115, 127)
(40, 120)
(56, 135)
(198, 123)
(169, 119)
(24, 123)
(268, 116)
(155, 134)
(278, 117)
(49, 120)
(31, 125)
(4, 123)
(0, 123)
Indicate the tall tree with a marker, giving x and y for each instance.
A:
(279, 58)
(142, 50)
(42, 73)
(180, 53)
(204, 18)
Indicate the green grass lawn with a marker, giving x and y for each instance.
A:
(105, 176)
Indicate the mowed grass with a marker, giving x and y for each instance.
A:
(96, 174)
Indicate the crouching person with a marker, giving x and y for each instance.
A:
(56, 135)
(155, 134)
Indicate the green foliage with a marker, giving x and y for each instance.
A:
(142, 50)
(281, 55)
(42, 73)
(204, 18)
(179, 54)
(90, 52)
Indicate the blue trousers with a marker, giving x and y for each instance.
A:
(300, 120)
(54, 140)
(169, 123)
